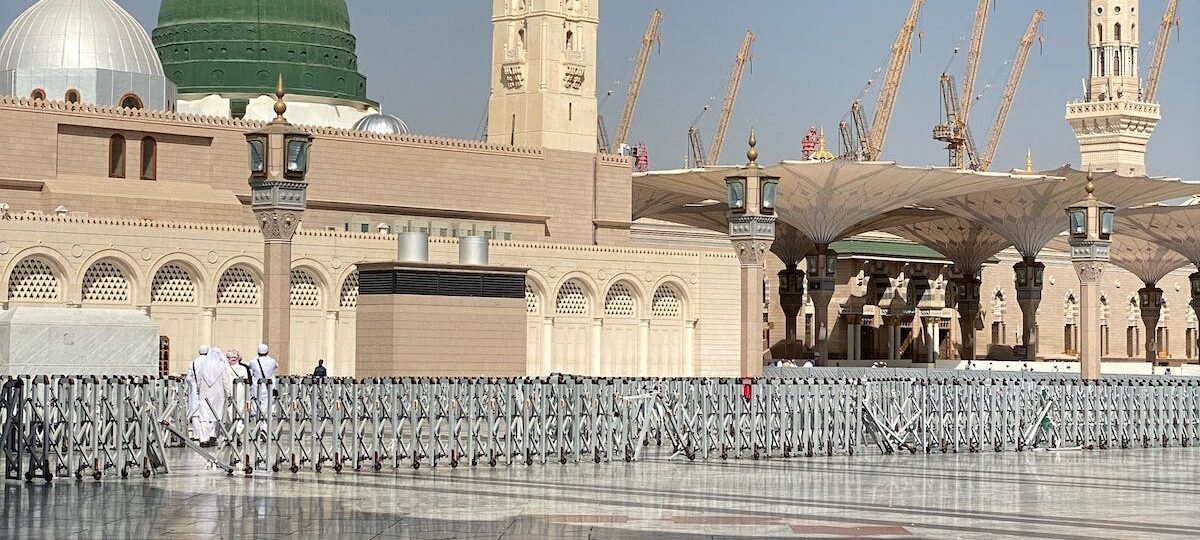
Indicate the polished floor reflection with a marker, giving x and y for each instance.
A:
(1063, 495)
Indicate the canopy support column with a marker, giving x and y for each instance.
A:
(1029, 274)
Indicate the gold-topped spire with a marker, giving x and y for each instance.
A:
(1091, 185)
(1028, 159)
(752, 153)
(822, 153)
(280, 106)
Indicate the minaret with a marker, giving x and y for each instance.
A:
(544, 74)
(1112, 124)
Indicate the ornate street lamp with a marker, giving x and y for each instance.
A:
(278, 158)
(751, 200)
(1090, 225)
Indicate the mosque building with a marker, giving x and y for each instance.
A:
(125, 186)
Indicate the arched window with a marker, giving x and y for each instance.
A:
(38, 94)
(1100, 32)
(1117, 31)
(116, 156)
(72, 96)
(149, 159)
(570, 40)
(131, 101)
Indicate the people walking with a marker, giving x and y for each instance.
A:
(193, 395)
(320, 372)
(212, 384)
(239, 377)
(262, 371)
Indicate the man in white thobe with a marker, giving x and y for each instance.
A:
(193, 411)
(212, 378)
(262, 371)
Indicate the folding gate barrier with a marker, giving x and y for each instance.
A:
(76, 426)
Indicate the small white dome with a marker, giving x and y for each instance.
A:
(381, 124)
(78, 34)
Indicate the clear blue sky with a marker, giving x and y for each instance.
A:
(429, 63)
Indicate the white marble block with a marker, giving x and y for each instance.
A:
(67, 341)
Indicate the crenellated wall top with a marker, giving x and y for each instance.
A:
(195, 120)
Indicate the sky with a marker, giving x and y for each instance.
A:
(429, 63)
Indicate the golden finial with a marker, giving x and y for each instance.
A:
(822, 153)
(1028, 159)
(1091, 184)
(280, 106)
(752, 153)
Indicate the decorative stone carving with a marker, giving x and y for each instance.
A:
(752, 252)
(278, 224)
(1090, 271)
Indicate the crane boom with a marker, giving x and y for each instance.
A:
(1160, 51)
(1010, 90)
(735, 82)
(861, 130)
(635, 84)
(891, 85)
(967, 98)
(697, 148)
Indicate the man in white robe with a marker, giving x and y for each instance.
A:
(193, 411)
(213, 379)
(262, 371)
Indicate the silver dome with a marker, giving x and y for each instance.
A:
(78, 34)
(381, 124)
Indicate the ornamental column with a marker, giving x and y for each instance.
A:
(967, 288)
(791, 299)
(751, 199)
(822, 278)
(1195, 303)
(1150, 299)
(1029, 273)
(278, 196)
(1091, 227)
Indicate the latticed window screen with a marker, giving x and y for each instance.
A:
(619, 301)
(305, 292)
(531, 301)
(349, 295)
(571, 299)
(237, 287)
(104, 282)
(34, 279)
(666, 303)
(173, 284)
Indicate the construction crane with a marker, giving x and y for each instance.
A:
(967, 98)
(601, 130)
(1160, 51)
(953, 130)
(735, 82)
(697, 147)
(635, 84)
(891, 84)
(1010, 90)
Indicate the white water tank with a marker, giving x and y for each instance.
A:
(414, 247)
(473, 251)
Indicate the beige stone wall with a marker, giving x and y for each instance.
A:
(554, 195)
(440, 336)
(674, 312)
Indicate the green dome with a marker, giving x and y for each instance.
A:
(239, 46)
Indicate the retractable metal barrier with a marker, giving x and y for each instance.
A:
(76, 426)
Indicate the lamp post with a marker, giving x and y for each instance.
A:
(279, 155)
(1090, 225)
(751, 199)
(1150, 302)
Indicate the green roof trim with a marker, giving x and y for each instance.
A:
(896, 249)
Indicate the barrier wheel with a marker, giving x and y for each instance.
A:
(146, 473)
(124, 473)
(96, 476)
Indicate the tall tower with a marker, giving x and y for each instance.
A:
(1112, 124)
(544, 74)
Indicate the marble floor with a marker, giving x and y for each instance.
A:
(1128, 494)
